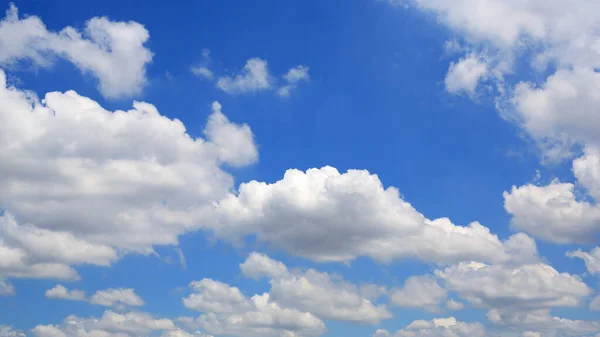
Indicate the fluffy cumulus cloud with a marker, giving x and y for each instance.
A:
(365, 218)
(226, 311)
(325, 295)
(114, 296)
(110, 324)
(252, 78)
(113, 52)
(61, 292)
(553, 212)
(591, 259)
(532, 286)
(437, 327)
(557, 212)
(420, 292)
(466, 74)
(82, 185)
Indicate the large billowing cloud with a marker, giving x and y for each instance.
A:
(113, 52)
(325, 215)
(81, 184)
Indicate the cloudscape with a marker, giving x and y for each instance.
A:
(368, 168)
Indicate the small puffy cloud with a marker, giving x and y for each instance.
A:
(61, 292)
(116, 296)
(293, 77)
(466, 74)
(6, 289)
(113, 52)
(419, 292)
(591, 259)
(437, 327)
(226, 311)
(252, 78)
(366, 219)
(325, 295)
(202, 71)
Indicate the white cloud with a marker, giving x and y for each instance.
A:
(534, 286)
(234, 143)
(6, 288)
(113, 52)
(111, 297)
(80, 182)
(202, 71)
(254, 77)
(451, 304)
(116, 296)
(591, 259)
(557, 106)
(292, 77)
(183, 333)
(324, 295)
(595, 304)
(466, 74)
(61, 292)
(543, 323)
(552, 212)
(226, 311)
(419, 292)
(365, 218)
(111, 324)
(437, 327)
(7, 331)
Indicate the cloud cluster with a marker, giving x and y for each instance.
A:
(111, 324)
(437, 327)
(254, 77)
(558, 110)
(226, 311)
(325, 295)
(113, 52)
(108, 298)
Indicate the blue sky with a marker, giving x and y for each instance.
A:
(299, 168)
